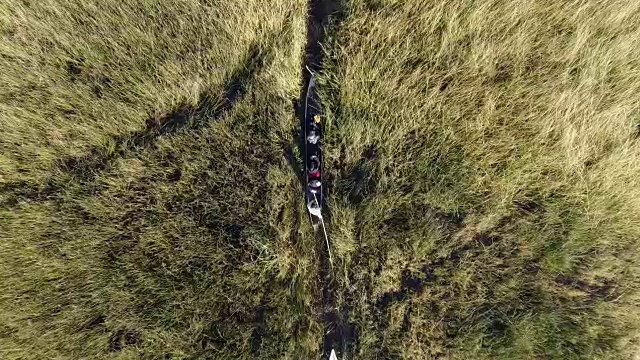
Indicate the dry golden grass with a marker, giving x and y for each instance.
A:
(486, 166)
(482, 165)
(160, 225)
(76, 74)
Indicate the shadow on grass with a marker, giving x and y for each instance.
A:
(187, 116)
(84, 169)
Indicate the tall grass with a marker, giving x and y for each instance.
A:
(482, 172)
(160, 223)
(486, 166)
(76, 74)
